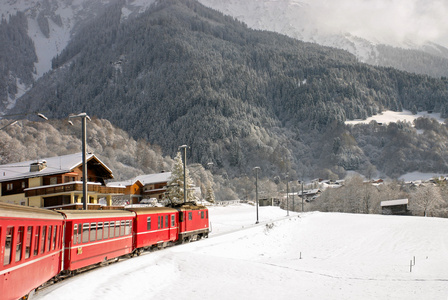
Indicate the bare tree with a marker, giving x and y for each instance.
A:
(426, 198)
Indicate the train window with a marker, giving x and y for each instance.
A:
(19, 243)
(202, 214)
(167, 222)
(148, 223)
(75, 234)
(206, 214)
(128, 228)
(117, 228)
(55, 231)
(50, 231)
(172, 220)
(99, 231)
(106, 230)
(181, 217)
(158, 222)
(8, 245)
(92, 232)
(190, 216)
(123, 228)
(112, 229)
(42, 239)
(36, 240)
(85, 232)
(29, 236)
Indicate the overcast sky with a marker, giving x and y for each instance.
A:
(393, 20)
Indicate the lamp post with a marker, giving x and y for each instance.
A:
(287, 194)
(40, 115)
(302, 194)
(256, 190)
(84, 118)
(185, 171)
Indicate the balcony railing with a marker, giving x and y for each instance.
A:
(72, 187)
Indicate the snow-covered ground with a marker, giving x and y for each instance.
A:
(308, 256)
(391, 116)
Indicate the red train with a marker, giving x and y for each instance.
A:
(37, 244)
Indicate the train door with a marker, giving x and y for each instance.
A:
(173, 227)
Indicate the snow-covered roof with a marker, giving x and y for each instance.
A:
(54, 165)
(122, 183)
(144, 179)
(394, 202)
(154, 178)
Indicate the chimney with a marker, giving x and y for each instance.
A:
(38, 166)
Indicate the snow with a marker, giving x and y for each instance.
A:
(391, 116)
(308, 256)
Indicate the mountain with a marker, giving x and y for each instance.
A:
(34, 32)
(376, 32)
(181, 73)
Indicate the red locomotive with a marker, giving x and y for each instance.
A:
(34, 248)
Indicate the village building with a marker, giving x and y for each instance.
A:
(56, 182)
(395, 207)
(150, 186)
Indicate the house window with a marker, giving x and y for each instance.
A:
(53, 180)
(9, 186)
(23, 184)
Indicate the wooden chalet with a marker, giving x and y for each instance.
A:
(144, 187)
(395, 207)
(56, 182)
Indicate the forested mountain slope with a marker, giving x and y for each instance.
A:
(182, 73)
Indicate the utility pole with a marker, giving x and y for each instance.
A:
(185, 171)
(302, 194)
(287, 194)
(84, 118)
(256, 190)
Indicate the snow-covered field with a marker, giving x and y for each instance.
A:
(308, 256)
(388, 116)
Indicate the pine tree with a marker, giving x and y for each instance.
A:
(175, 191)
(210, 194)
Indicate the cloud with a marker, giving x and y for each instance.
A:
(390, 21)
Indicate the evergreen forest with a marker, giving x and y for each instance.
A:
(181, 73)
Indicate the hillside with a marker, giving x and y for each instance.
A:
(408, 37)
(181, 73)
(314, 256)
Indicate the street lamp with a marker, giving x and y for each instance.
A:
(185, 171)
(83, 116)
(40, 115)
(287, 194)
(256, 189)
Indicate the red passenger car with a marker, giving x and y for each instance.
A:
(30, 248)
(193, 222)
(95, 236)
(154, 226)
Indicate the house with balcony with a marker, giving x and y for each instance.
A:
(144, 187)
(56, 181)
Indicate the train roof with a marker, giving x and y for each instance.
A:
(20, 211)
(149, 210)
(190, 206)
(95, 214)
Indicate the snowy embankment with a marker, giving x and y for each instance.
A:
(311, 256)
